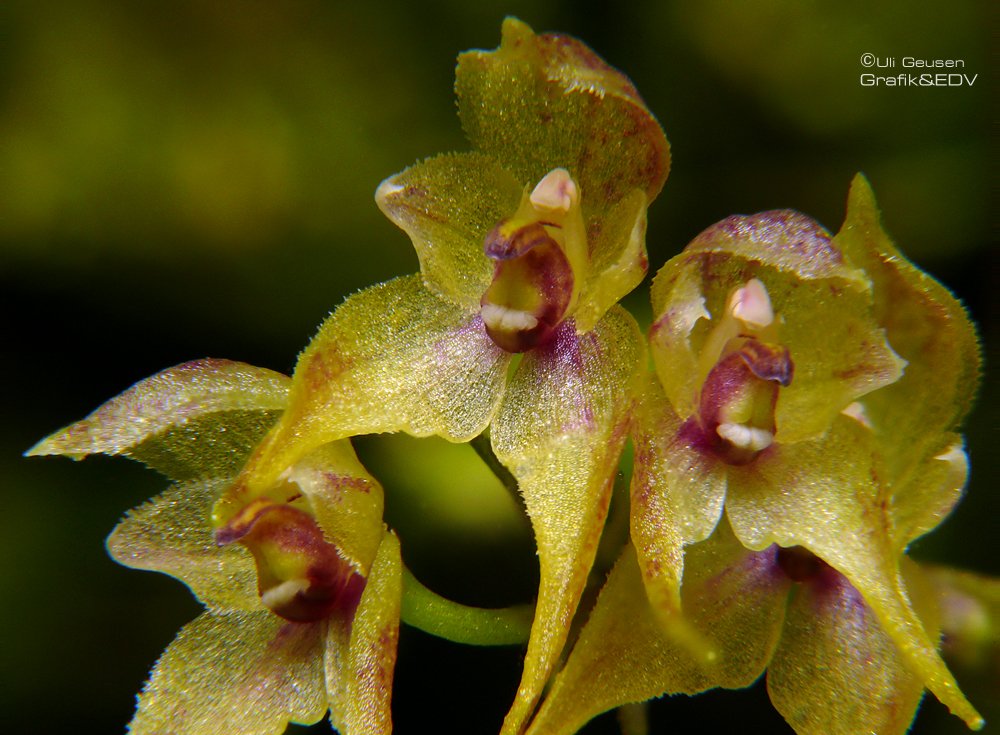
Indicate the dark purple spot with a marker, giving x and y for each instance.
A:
(800, 564)
(767, 361)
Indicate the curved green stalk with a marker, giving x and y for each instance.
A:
(476, 626)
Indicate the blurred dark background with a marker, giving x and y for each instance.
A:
(188, 179)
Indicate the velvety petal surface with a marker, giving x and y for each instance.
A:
(371, 656)
(560, 431)
(735, 598)
(827, 380)
(394, 357)
(618, 258)
(828, 496)
(242, 672)
(199, 419)
(784, 239)
(678, 307)
(447, 205)
(925, 324)
(676, 497)
(172, 534)
(544, 101)
(928, 490)
(345, 499)
(835, 671)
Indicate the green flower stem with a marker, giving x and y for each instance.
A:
(475, 626)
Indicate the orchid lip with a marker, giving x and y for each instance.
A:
(499, 317)
(743, 436)
(284, 594)
(539, 253)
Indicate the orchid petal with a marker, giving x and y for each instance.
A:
(925, 324)
(245, 672)
(560, 431)
(828, 379)
(826, 496)
(678, 306)
(619, 259)
(620, 657)
(677, 494)
(929, 491)
(539, 102)
(372, 648)
(345, 499)
(734, 597)
(391, 358)
(831, 642)
(172, 534)
(447, 205)
(199, 419)
(783, 239)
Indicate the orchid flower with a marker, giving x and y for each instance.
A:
(768, 331)
(525, 246)
(837, 663)
(302, 614)
(831, 667)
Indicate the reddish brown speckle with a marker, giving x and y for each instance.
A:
(351, 482)
(782, 229)
(324, 367)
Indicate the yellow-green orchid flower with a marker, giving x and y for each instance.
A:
(837, 663)
(302, 615)
(525, 247)
(768, 331)
(831, 669)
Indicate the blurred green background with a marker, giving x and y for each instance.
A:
(190, 179)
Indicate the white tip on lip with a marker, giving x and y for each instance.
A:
(556, 192)
(752, 305)
(745, 437)
(500, 317)
(284, 593)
